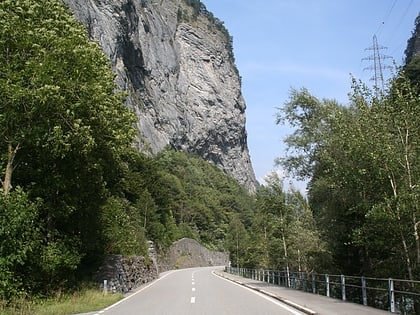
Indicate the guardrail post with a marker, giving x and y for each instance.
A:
(327, 285)
(364, 293)
(105, 286)
(343, 287)
(313, 284)
(391, 295)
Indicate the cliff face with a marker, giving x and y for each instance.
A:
(175, 62)
(413, 44)
(188, 253)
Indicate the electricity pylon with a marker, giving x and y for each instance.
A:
(378, 66)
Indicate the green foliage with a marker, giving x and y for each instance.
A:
(412, 70)
(81, 301)
(122, 228)
(67, 142)
(284, 233)
(362, 162)
(69, 132)
(19, 240)
(412, 44)
(199, 196)
(237, 242)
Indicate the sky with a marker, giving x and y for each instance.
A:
(316, 44)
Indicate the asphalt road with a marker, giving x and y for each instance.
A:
(197, 291)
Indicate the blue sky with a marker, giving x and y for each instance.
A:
(317, 44)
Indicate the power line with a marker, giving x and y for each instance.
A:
(396, 24)
(386, 17)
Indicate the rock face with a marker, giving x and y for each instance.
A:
(413, 44)
(187, 253)
(175, 61)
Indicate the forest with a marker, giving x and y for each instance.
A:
(74, 189)
(363, 165)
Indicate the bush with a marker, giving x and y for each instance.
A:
(19, 239)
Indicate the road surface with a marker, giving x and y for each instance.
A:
(197, 291)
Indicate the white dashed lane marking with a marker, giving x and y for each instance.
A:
(193, 288)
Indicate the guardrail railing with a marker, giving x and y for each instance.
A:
(395, 295)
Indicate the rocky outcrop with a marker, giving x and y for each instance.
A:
(413, 44)
(175, 61)
(187, 253)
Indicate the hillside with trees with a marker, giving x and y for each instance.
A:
(73, 187)
(75, 190)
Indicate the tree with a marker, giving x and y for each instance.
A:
(398, 133)
(317, 150)
(362, 164)
(283, 234)
(64, 132)
(237, 242)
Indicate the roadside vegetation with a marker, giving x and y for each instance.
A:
(74, 190)
(362, 161)
(62, 304)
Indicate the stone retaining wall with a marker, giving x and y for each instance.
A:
(123, 274)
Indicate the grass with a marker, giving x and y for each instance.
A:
(79, 302)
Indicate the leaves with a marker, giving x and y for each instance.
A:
(362, 161)
(59, 107)
(19, 238)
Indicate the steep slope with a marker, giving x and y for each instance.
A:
(413, 44)
(175, 61)
(412, 55)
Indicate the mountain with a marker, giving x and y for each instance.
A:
(413, 44)
(175, 61)
(412, 55)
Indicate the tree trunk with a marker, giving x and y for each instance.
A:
(7, 182)
(407, 257)
(405, 140)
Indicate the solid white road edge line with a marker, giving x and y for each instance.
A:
(278, 303)
(135, 293)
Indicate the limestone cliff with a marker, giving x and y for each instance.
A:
(175, 61)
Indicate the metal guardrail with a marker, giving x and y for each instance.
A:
(394, 295)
